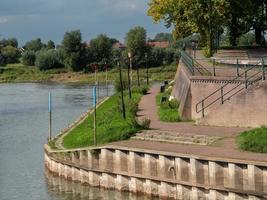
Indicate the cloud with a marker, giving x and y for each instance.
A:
(3, 20)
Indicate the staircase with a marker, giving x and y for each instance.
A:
(248, 78)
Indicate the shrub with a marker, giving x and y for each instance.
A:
(145, 123)
(141, 90)
(117, 83)
(28, 58)
(132, 107)
(254, 140)
(10, 54)
(48, 59)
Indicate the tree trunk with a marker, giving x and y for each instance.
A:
(258, 35)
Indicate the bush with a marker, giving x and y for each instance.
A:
(48, 59)
(132, 107)
(10, 54)
(28, 58)
(254, 140)
(117, 83)
(141, 90)
(145, 123)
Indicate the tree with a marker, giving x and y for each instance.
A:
(50, 45)
(28, 58)
(9, 42)
(10, 54)
(191, 16)
(48, 59)
(74, 50)
(34, 45)
(101, 48)
(136, 44)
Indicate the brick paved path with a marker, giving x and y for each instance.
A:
(225, 149)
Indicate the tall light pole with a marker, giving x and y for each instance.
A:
(210, 27)
(130, 56)
(122, 97)
(147, 78)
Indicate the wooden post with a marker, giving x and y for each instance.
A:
(237, 67)
(263, 69)
(213, 64)
(147, 78)
(50, 117)
(129, 82)
(106, 78)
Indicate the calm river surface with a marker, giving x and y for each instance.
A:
(23, 132)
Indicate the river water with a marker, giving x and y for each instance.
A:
(23, 132)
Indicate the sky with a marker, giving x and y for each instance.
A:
(50, 19)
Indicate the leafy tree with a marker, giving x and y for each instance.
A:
(9, 42)
(50, 45)
(136, 44)
(191, 16)
(247, 39)
(49, 59)
(10, 54)
(34, 45)
(74, 50)
(101, 48)
(28, 58)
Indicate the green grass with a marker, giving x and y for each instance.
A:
(168, 110)
(110, 124)
(254, 140)
(20, 73)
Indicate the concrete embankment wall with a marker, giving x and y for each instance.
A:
(246, 109)
(161, 174)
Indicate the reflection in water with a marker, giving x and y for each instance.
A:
(59, 187)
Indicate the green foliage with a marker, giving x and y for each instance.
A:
(101, 47)
(48, 59)
(144, 123)
(254, 140)
(136, 42)
(117, 83)
(28, 58)
(9, 42)
(141, 90)
(160, 37)
(247, 39)
(10, 54)
(110, 125)
(50, 45)
(167, 110)
(34, 45)
(74, 50)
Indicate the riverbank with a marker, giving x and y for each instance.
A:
(18, 73)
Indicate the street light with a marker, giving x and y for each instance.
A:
(147, 79)
(122, 97)
(128, 73)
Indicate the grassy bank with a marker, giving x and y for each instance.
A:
(110, 124)
(21, 73)
(254, 140)
(167, 110)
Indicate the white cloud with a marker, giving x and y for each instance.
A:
(3, 20)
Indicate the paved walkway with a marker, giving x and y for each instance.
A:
(225, 149)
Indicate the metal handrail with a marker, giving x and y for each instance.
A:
(192, 64)
(247, 83)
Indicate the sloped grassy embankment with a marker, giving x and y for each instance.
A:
(110, 124)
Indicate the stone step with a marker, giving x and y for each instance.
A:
(174, 137)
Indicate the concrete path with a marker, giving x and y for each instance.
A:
(226, 148)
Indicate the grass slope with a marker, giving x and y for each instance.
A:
(20, 73)
(110, 124)
(254, 140)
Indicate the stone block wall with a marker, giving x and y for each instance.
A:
(161, 174)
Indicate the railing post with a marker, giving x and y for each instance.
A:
(214, 71)
(263, 69)
(193, 67)
(237, 67)
(222, 101)
(246, 79)
(203, 114)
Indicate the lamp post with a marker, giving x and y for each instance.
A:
(106, 67)
(129, 71)
(122, 97)
(130, 56)
(147, 78)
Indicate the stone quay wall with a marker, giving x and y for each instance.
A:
(167, 175)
